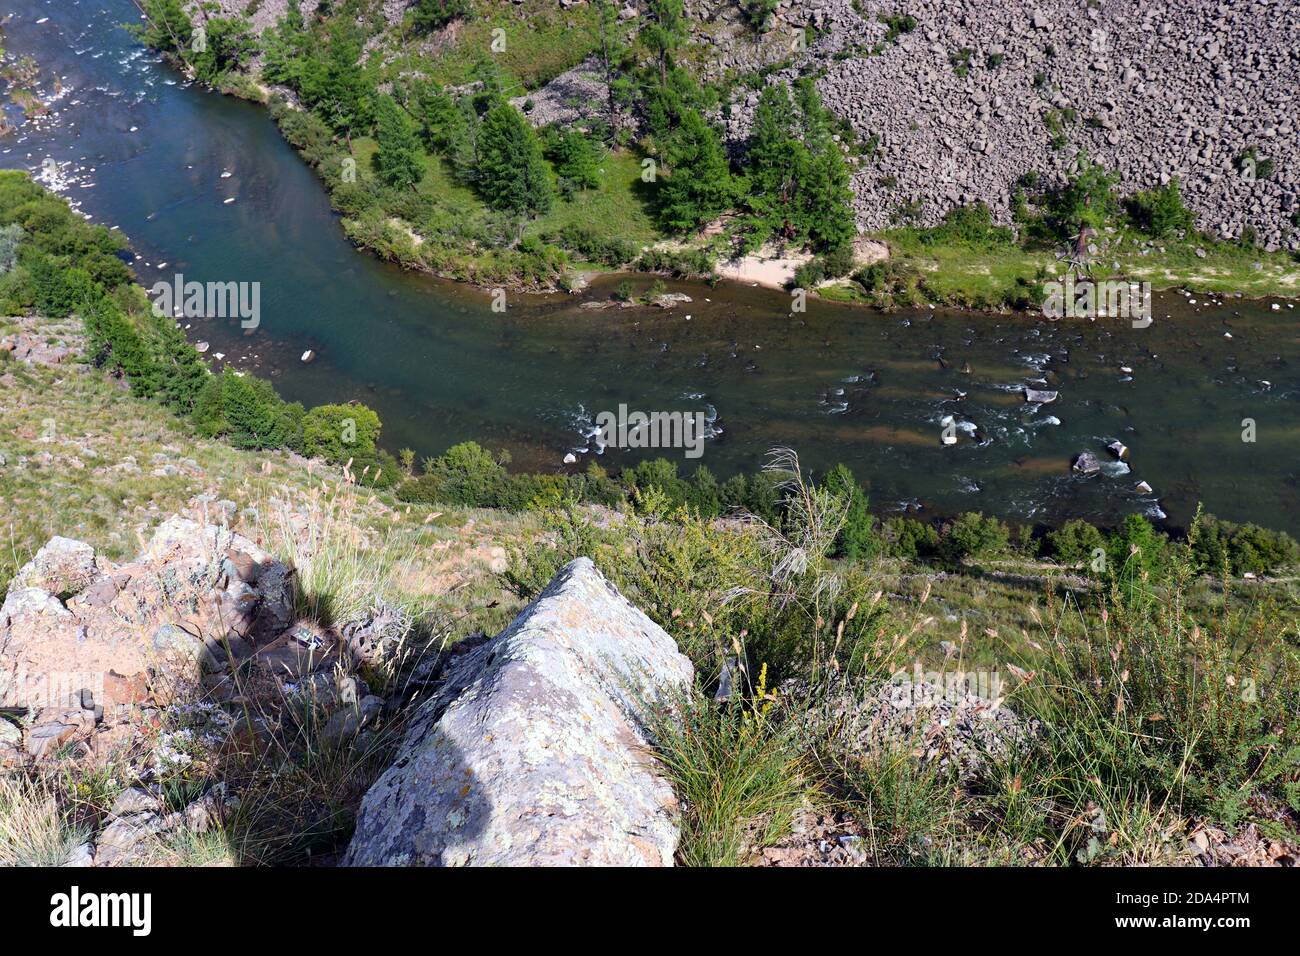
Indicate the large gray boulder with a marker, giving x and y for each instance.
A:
(532, 750)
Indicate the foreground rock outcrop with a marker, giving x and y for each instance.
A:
(532, 750)
(84, 642)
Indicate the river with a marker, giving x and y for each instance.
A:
(140, 150)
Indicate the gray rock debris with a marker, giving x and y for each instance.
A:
(531, 751)
(947, 726)
(1157, 91)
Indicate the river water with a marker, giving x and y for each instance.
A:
(138, 149)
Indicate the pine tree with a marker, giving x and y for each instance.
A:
(612, 50)
(664, 32)
(400, 160)
(337, 85)
(856, 540)
(698, 186)
(776, 159)
(285, 49)
(167, 27)
(827, 201)
(511, 172)
(255, 415)
(577, 160)
(799, 181)
(231, 43)
(181, 372)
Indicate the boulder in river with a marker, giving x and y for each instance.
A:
(1118, 449)
(1042, 396)
(532, 750)
(1085, 463)
(670, 300)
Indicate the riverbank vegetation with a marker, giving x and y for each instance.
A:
(57, 265)
(54, 263)
(431, 159)
(970, 261)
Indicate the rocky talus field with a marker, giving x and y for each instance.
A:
(966, 102)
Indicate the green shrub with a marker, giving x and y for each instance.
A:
(973, 536)
(58, 290)
(248, 413)
(1135, 554)
(685, 263)
(11, 236)
(114, 343)
(656, 474)
(1160, 212)
(466, 474)
(890, 283)
(576, 159)
(1217, 545)
(612, 251)
(967, 225)
(338, 433)
(530, 492)
(856, 540)
(599, 488)
(909, 539)
(430, 15)
(839, 261)
(809, 275)
(1085, 200)
(1075, 542)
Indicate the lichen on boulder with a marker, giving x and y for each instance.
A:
(532, 749)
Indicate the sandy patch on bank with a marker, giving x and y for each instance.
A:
(768, 268)
(416, 239)
(764, 268)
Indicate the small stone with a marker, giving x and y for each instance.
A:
(345, 724)
(83, 854)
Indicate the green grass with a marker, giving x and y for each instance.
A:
(438, 179)
(962, 273)
(1227, 267)
(81, 456)
(541, 42)
(739, 774)
(617, 209)
(909, 808)
(35, 830)
(981, 277)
